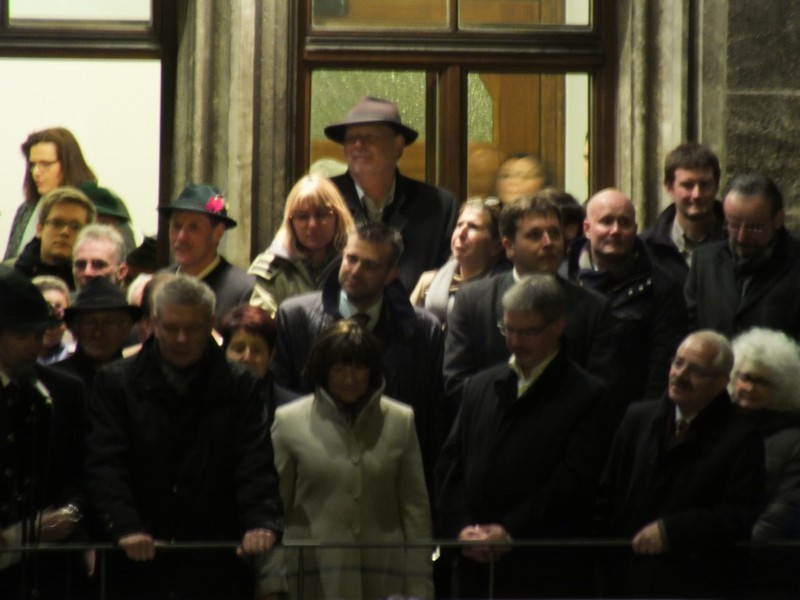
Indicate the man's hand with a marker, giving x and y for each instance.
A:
(490, 533)
(648, 540)
(256, 541)
(138, 546)
(55, 524)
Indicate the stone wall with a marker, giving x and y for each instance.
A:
(762, 128)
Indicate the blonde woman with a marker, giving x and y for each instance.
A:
(314, 231)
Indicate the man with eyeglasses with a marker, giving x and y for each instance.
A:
(532, 236)
(684, 482)
(525, 454)
(63, 213)
(99, 252)
(753, 278)
(373, 138)
(100, 320)
(198, 218)
(694, 219)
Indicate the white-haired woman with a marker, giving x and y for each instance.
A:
(765, 382)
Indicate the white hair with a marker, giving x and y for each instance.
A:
(777, 354)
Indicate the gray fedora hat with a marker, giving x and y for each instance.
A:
(371, 110)
(202, 198)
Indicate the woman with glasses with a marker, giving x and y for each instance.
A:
(350, 471)
(476, 252)
(765, 382)
(304, 251)
(53, 159)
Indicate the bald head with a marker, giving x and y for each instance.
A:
(610, 227)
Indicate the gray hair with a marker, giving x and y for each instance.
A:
(778, 355)
(540, 292)
(723, 361)
(101, 232)
(184, 290)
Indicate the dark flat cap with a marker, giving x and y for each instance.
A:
(106, 202)
(202, 198)
(371, 110)
(22, 306)
(100, 294)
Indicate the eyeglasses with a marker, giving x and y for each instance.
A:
(692, 369)
(43, 165)
(59, 224)
(320, 215)
(96, 264)
(749, 228)
(505, 331)
(753, 380)
(366, 139)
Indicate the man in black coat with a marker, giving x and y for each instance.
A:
(753, 278)
(525, 454)
(179, 450)
(198, 218)
(410, 338)
(100, 320)
(373, 138)
(41, 451)
(647, 305)
(691, 180)
(684, 482)
(532, 236)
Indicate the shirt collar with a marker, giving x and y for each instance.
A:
(524, 384)
(347, 310)
(212, 265)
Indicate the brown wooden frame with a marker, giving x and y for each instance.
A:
(448, 57)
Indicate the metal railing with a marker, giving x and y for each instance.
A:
(436, 547)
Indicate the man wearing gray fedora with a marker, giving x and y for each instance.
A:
(41, 441)
(373, 138)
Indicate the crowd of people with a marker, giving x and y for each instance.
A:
(398, 368)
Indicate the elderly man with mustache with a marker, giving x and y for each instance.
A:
(684, 481)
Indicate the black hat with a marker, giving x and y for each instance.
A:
(100, 294)
(202, 198)
(144, 255)
(371, 110)
(106, 202)
(22, 306)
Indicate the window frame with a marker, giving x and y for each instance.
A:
(448, 56)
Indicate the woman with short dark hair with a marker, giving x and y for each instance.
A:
(350, 471)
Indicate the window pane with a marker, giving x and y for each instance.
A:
(113, 107)
(85, 10)
(545, 115)
(335, 92)
(380, 14)
(522, 14)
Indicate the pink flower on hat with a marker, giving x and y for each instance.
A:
(215, 204)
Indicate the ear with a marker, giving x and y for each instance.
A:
(39, 230)
(559, 325)
(390, 276)
(508, 246)
(586, 227)
(217, 232)
(122, 272)
(778, 219)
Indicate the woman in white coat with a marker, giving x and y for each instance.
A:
(351, 472)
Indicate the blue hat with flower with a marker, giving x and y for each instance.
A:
(202, 198)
